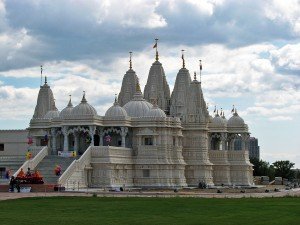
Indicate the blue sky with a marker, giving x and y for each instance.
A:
(250, 52)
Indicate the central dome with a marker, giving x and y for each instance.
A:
(138, 107)
(84, 109)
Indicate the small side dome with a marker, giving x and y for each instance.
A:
(138, 106)
(84, 109)
(156, 112)
(224, 118)
(116, 110)
(218, 121)
(68, 110)
(52, 114)
(236, 120)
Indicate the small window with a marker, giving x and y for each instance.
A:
(44, 142)
(146, 173)
(2, 172)
(1, 147)
(148, 141)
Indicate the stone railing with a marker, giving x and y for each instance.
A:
(32, 163)
(76, 166)
(35, 149)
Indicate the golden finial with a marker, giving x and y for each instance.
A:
(138, 88)
(130, 61)
(182, 56)
(155, 46)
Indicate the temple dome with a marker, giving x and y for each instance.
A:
(218, 121)
(138, 107)
(116, 111)
(84, 109)
(156, 112)
(52, 114)
(67, 111)
(236, 121)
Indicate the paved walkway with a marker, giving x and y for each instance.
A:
(165, 194)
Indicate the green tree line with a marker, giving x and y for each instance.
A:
(282, 168)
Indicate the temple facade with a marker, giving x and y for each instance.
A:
(151, 140)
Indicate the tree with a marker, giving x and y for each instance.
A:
(261, 168)
(284, 169)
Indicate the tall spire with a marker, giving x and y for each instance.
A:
(195, 76)
(182, 56)
(200, 64)
(130, 61)
(45, 79)
(41, 74)
(155, 46)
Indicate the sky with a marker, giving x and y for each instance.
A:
(250, 53)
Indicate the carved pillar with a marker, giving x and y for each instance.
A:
(53, 138)
(245, 139)
(124, 131)
(76, 142)
(101, 135)
(209, 141)
(66, 138)
(223, 141)
(92, 130)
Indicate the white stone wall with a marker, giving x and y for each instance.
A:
(15, 142)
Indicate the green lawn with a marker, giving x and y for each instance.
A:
(92, 210)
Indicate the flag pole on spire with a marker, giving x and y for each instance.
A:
(115, 98)
(200, 68)
(182, 56)
(41, 74)
(155, 46)
(130, 61)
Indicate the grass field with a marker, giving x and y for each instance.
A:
(92, 210)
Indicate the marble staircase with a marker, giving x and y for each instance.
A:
(47, 165)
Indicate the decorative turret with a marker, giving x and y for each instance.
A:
(179, 97)
(196, 111)
(128, 84)
(157, 86)
(45, 100)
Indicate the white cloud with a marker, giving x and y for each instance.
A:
(205, 6)
(18, 103)
(284, 11)
(288, 56)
